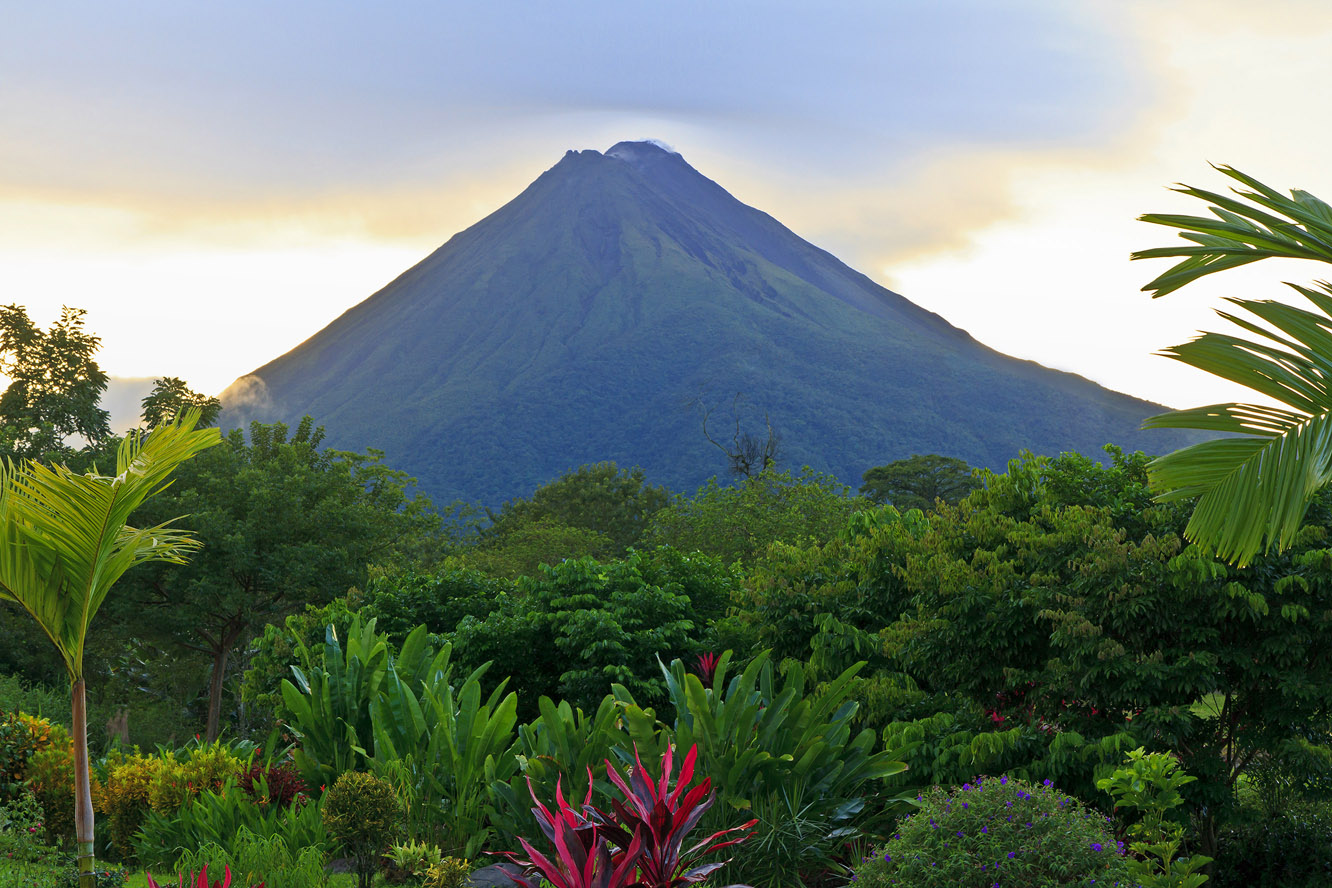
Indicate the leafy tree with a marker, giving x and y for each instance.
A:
(285, 524)
(55, 385)
(1254, 485)
(67, 540)
(574, 628)
(738, 523)
(401, 601)
(276, 649)
(917, 482)
(526, 546)
(1056, 618)
(171, 396)
(601, 497)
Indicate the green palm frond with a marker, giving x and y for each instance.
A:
(1241, 232)
(1253, 489)
(65, 537)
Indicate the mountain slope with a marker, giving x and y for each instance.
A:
(582, 320)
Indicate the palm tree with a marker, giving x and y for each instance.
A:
(64, 541)
(1253, 486)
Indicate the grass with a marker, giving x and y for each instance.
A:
(34, 876)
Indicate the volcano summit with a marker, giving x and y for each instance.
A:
(598, 313)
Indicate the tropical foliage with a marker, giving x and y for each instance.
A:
(1254, 484)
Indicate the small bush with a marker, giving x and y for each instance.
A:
(1290, 850)
(50, 776)
(410, 861)
(126, 800)
(15, 748)
(451, 872)
(1000, 831)
(274, 785)
(255, 860)
(362, 812)
(218, 817)
(22, 829)
(185, 775)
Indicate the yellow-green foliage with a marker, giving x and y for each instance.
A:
(362, 812)
(182, 776)
(45, 735)
(50, 775)
(21, 737)
(451, 872)
(127, 796)
(412, 857)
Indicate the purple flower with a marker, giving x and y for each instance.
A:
(1012, 854)
(1003, 781)
(1047, 783)
(1096, 846)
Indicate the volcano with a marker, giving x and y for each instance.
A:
(623, 296)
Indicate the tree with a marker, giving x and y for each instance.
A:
(171, 396)
(601, 497)
(738, 523)
(746, 455)
(64, 542)
(916, 483)
(1056, 618)
(1254, 485)
(285, 524)
(55, 385)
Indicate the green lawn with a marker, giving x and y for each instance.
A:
(19, 876)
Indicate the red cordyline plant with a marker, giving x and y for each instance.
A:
(639, 843)
(199, 880)
(705, 665)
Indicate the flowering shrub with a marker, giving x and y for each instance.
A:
(998, 832)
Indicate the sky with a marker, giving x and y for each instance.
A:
(214, 183)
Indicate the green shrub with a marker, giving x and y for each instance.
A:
(451, 872)
(410, 860)
(260, 860)
(16, 745)
(997, 831)
(1292, 849)
(776, 746)
(217, 817)
(362, 812)
(22, 831)
(17, 695)
(50, 776)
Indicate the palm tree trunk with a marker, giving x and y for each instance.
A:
(83, 810)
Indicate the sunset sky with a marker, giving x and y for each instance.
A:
(216, 182)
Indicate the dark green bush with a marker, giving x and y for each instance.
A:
(997, 831)
(362, 812)
(1290, 850)
(401, 602)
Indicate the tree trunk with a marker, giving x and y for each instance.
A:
(215, 691)
(83, 810)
